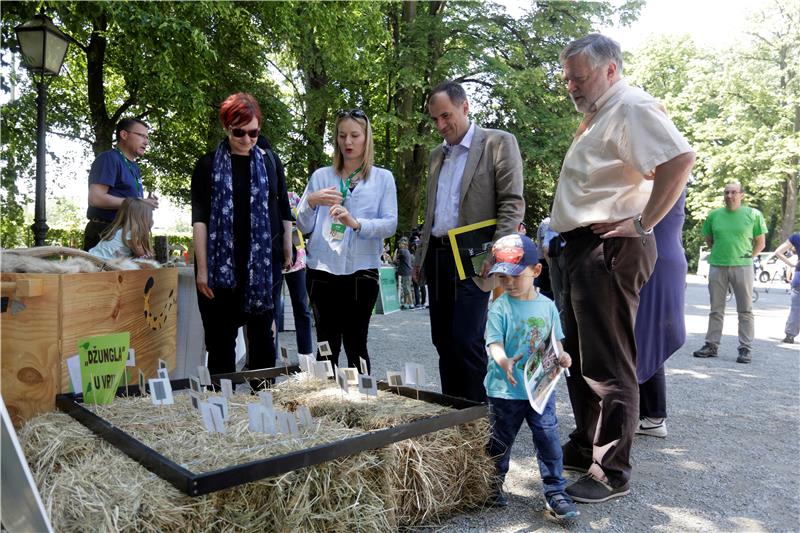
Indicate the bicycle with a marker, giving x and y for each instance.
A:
(730, 294)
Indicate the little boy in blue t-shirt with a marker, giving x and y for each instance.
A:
(518, 327)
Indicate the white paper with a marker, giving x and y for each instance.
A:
(328, 368)
(74, 369)
(142, 387)
(268, 421)
(163, 373)
(255, 420)
(341, 379)
(285, 355)
(395, 379)
(162, 363)
(227, 388)
(266, 399)
(282, 420)
(205, 377)
(195, 399)
(207, 414)
(304, 416)
(352, 375)
(219, 422)
(194, 385)
(291, 421)
(364, 367)
(305, 362)
(367, 385)
(540, 382)
(222, 403)
(321, 369)
(161, 392)
(324, 349)
(414, 375)
(131, 357)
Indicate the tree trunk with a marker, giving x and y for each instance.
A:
(412, 161)
(789, 203)
(102, 126)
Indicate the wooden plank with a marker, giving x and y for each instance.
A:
(142, 302)
(30, 350)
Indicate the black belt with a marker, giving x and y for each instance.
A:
(98, 221)
(577, 233)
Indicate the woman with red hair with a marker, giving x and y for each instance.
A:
(240, 213)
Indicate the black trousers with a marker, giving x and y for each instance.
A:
(600, 303)
(222, 318)
(91, 234)
(653, 396)
(343, 307)
(458, 312)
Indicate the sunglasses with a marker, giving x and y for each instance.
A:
(354, 113)
(239, 132)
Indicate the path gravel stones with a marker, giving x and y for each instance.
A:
(731, 460)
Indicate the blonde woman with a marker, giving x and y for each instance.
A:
(129, 233)
(349, 209)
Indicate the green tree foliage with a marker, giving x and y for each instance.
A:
(171, 63)
(740, 111)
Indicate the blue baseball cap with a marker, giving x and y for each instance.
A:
(513, 253)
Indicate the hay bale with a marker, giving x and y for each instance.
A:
(87, 484)
(433, 476)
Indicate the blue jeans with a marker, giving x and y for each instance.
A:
(506, 417)
(793, 322)
(296, 282)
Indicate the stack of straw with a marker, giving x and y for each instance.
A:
(433, 476)
(88, 485)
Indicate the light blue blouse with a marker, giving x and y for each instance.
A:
(373, 202)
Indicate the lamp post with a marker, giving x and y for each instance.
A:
(43, 48)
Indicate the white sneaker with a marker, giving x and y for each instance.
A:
(653, 429)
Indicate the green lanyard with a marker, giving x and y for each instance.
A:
(131, 168)
(344, 187)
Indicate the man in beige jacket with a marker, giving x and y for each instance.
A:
(475, 175)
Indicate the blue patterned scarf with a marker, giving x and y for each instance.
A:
(221, 270)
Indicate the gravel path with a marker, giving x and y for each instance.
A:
(731, 461)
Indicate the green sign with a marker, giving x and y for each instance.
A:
(388, 301)
(102, 360)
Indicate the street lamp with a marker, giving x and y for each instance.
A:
(43, 49)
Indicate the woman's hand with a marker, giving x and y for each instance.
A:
(564, 360)
(138, 252)
(202, 284)
(287, 257)
(329, 196)
(340, 213)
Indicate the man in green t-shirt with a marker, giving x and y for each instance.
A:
(735, 235)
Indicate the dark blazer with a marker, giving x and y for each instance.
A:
(491, 187)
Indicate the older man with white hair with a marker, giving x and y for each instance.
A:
(625, 169)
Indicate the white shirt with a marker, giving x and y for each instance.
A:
(605, 173)
(448, 190)
(373, 202)
(112, 248)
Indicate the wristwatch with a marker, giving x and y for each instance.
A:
(637, 224)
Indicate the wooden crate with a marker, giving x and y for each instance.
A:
(44, 316)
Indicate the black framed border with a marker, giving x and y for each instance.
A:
(195, 484)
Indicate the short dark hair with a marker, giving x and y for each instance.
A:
(126, 123)
(454, 91)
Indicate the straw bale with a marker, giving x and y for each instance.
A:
(87, 484)
(433, 476)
